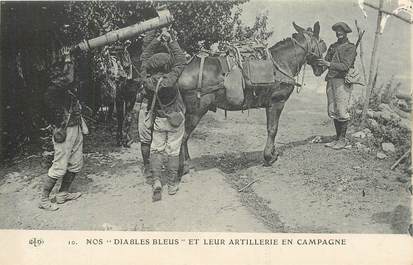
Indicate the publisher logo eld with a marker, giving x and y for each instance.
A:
(36, 242)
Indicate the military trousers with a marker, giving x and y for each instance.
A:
(145, 125)
(166, 138)
(68, 156)
(338, 99)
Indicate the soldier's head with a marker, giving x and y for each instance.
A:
(341, 30)
(159, 63)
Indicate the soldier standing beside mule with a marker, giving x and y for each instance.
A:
(339, 59)
(69, 127)
(160, 72)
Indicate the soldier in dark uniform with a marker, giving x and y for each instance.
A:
(160, 72)
(68, 125)
(339, 59)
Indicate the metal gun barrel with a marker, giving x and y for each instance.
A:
(164, 19)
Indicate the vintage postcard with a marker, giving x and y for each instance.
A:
(206, 132)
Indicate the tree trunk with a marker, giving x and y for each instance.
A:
(372, 64)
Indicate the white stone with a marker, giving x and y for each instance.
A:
(373, 123)
(362, 147)
(381, 155)
(367, 131)
(388, 147)
(359, 134)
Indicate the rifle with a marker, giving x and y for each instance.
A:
(359, 38)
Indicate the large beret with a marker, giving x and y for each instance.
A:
(158, 61)
(343, 26)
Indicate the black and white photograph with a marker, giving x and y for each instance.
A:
(245, 116)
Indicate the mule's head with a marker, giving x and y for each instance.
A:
(315, 46)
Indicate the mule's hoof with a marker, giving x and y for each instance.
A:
(268, 163)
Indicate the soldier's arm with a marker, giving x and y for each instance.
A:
(149, 51)
(347, 57)
(149, 36)
(330, 53)
(178, 57)
(62, 79)
(328, 57)
(68, 73)
(178, 60)
(177, 54)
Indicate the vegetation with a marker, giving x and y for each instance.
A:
(384, 118)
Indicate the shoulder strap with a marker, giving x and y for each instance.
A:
(201, 70)
(155, 95)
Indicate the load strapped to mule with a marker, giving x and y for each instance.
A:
(247, 66)
(254, 59)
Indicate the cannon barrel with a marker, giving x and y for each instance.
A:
(164, 19)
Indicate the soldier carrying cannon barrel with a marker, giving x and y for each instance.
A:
(160, 72)
(68, 129)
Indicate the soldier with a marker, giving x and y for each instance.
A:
(145, 122)
(67, 137)
(160, 72)
(339, 59)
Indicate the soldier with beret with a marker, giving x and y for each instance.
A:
(145, 122)
(160, 72)
(339, 59)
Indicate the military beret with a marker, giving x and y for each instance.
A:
(158, 61)
(343, 26)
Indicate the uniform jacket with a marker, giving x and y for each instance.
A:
(341, 56)
(60, 98)
(170, 68)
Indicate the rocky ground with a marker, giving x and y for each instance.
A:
(309, 189)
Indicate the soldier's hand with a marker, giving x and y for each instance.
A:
(143, 74)
(165, 35)
(65, 51)
(323, 62)
(174, 35)
(148, 84)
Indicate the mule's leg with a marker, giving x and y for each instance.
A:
(273, 114)
(119, 116)
(191, 121)
(109, 114)
(129, 100)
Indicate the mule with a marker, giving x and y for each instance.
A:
(118, 92)
(305, 46)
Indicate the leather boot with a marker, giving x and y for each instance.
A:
(146, 151)
(337, 125)
(173, 167)
(341, 143)
(64, 195)
(45, 203)
(156, 170)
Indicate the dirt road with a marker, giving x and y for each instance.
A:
(309, 189)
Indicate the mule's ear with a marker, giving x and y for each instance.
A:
(298, 28)
(316, 30)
